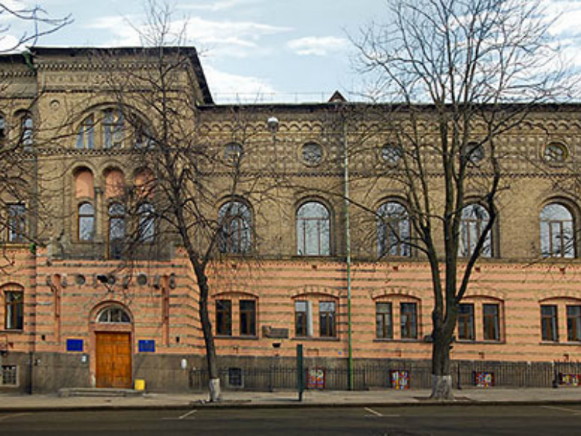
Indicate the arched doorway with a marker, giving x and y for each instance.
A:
(113, 348)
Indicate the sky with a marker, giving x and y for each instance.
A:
(257, 50)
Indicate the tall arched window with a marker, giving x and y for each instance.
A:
(86, 134)
(146, 230)
(26, 130)
(393, 230)
(113, 128)
(236, 227)
(116, 230)
(86, 222)
(473, 220)
(313, 230)
(557, 231)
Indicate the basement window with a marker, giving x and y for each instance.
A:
(235, 378)
(9, 375)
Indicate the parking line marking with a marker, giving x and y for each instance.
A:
(564, 409)
(376, 413)
(185, 415)
(14, 415)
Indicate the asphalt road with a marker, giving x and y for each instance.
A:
(400, 421)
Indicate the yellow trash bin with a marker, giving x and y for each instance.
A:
(139, 384)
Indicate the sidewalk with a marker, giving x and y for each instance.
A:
(241, 399)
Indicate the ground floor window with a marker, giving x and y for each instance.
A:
(232, 313)
(574, 323)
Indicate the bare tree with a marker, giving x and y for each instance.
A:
(186, 168)
(459, 74)
(18, 125)
(35, 20)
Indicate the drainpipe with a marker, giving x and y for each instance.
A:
(347, 250)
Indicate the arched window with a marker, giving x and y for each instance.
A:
(473, 220)
(113, 315)
(113, 128)
(393, 230)
(86, 134)
(146, 230)
(236, 227)
(313, 230)
(116, 230)
(557, 232)
(26, 130)
(86, 222)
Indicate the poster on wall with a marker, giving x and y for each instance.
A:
(570, 379)
(483, 379)
(316, 378)
(399, 379)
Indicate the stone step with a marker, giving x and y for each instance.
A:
(98, 392)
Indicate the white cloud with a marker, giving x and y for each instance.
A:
(220, 38)
(228, 87)
(218, 5)
(317, 45)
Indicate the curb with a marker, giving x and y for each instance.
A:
(290, 405)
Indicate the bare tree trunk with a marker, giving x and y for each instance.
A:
(441, 377)
(214, 377)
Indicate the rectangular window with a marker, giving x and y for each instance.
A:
(383, 321)
(13, 310)
(9, 375)
(409, 320)
(574, 323)
(16, 222)
(224, 317)
(248, 317)
(549, 323)
(466, 322)
(303, 321)
(327, 319)
(491, 322)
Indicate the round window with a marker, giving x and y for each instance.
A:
(391, 153)
(474, 152)
(555, 152)
(312, 154)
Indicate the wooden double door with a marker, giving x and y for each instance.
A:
(113, 360)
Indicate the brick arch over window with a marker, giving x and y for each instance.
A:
(84, 183)
(318, 290)
(144, 183)
(114, 183)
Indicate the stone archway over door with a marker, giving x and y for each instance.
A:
(113, 360)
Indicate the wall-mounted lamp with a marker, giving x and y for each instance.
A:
(272, 124)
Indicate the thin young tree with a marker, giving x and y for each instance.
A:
(458, 74)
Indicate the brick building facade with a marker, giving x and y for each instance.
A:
(71, 302)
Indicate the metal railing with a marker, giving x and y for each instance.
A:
(403, 374)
